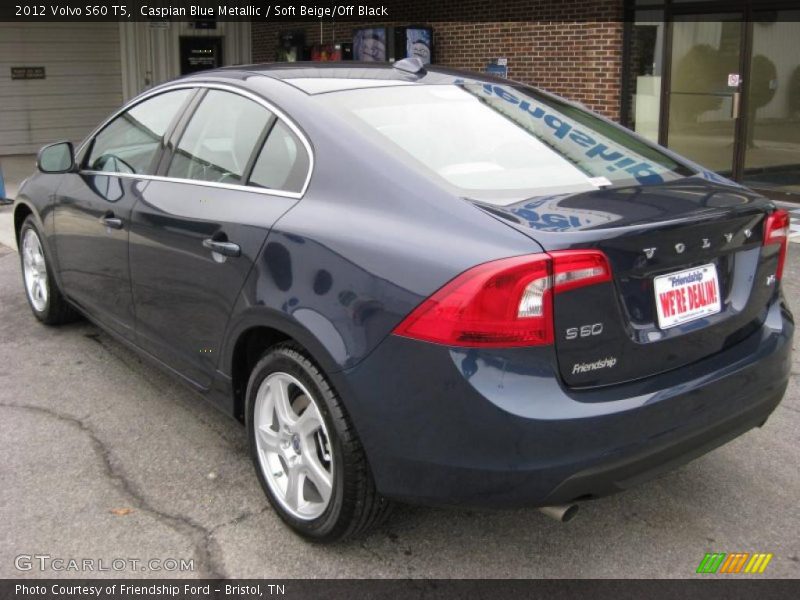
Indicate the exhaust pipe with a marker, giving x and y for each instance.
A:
(560, 512)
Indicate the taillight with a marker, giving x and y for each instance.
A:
(504, 303)
(776, 232)
(577, 268)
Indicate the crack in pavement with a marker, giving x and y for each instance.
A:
(374, 553)
(239, 519)
(215, 551)
(789, 407)
(200, 535)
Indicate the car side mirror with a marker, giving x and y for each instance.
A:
(56, 158)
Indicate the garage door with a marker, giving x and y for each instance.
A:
(82, 82)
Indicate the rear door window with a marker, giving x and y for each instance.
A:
(130, 143)
(220, 138)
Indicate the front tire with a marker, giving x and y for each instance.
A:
(306, 453)
(44, 297)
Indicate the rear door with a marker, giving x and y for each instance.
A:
(235, 169)
(93, 208)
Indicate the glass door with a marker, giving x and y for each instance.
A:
(704, 97)
(772, 114)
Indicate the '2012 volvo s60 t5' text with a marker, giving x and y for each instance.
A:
(417, 284)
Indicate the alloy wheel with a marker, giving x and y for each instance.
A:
(294, 449)
(34, 270)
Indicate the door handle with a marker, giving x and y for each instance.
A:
(224, 248)
(736, 105)
(109, 220)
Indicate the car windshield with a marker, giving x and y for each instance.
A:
(503, 143)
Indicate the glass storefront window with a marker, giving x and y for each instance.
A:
(645, 70)
(704, 84)
(772, 139)
(732, 98)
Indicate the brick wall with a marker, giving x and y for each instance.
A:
(579, 59)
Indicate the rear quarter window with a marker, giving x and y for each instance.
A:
(283, 162)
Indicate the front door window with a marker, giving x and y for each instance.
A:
(131, 142)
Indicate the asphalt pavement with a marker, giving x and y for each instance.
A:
(105, 458)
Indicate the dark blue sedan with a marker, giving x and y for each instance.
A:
(416, 284)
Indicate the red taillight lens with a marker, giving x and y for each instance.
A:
(504, 303)
(776, 232)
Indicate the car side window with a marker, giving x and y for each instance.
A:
(282, 163)
(129, 143)
(220, 138)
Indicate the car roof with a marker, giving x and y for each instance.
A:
(321, 77)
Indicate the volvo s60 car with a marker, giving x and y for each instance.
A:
(417, 284)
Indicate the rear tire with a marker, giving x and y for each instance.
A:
(44, 297)
(314, 443)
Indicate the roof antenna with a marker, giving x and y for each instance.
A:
(410, 65)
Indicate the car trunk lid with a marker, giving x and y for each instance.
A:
(689, 275)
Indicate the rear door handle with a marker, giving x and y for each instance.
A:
(109, 220)
(224, 248)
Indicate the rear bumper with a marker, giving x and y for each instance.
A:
(449, 426)
(615, 474)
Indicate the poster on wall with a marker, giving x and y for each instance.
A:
(419, 43)
(290, 46)
(498, 67)
(369, 44)
(326, 52)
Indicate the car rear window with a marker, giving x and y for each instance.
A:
(503, 143)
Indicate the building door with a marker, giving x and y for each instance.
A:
(704, 95)
(771, 131)
(732, 102)
(153, 52)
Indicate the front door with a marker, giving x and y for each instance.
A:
(93, 209)
(704, 97)
(92, 220)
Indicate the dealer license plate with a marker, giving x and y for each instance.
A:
(687, 295)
